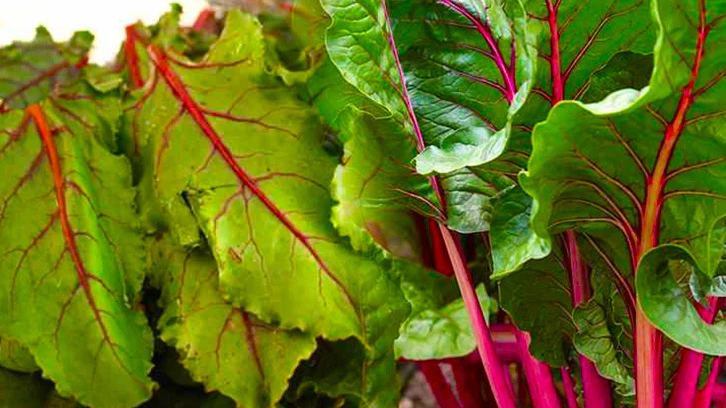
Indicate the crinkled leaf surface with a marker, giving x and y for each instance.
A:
(247, 155)
(638, 170)
(223, 347)
(71, 266)
(29, 72)
(469, 67)
(538, 299)
(587, 34)
(603, 334)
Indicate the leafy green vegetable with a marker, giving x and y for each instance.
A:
(65, 213)
(223, 347)
(279, 257)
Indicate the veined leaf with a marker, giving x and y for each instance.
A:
(223, 347)
(639, 170)
(262, 200)
(374, 188)
(603, 334)
(72, 264)
(29, 72)
(538, 299)
(469, 65)
(576, 39)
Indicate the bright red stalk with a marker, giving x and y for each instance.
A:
(440, 257)
(469, 379)
(132, 57)
(705, 396)
(569, 387)
(205, 21)
(596, 389)
(498, 380)
(539, 376)
(648, 341)
(438, 384)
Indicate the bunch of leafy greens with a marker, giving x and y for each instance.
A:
(274, 210)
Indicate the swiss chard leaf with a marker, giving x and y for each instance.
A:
(576, 39)
(439, 333)
(374, 189)
(223, 347)
(262, 200)
(632, 170)
(68, 210)
(603, 334)
(538, 299)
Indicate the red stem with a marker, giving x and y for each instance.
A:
(440, 257)
(705, 396)
(205, 21)
(498, 379)
(596, 389)
(569, 386)
(132, 57)
(440, 387)
(686, 381)
(499, 382)
(539, 376)
(469, 379)
(648, 341)
(558, 86)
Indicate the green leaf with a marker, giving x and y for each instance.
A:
(589, 35)
(624, 70)
(30, 71)
(16, 357)
(666, 303)
(537, 298)
(223, 347)
(513, 242)
(335, 371)
(591, 163)
(442, 331)
(23, 390)
(72, 267)
(469, 67)
(372, 187)
(601, 335)
(262, 200)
